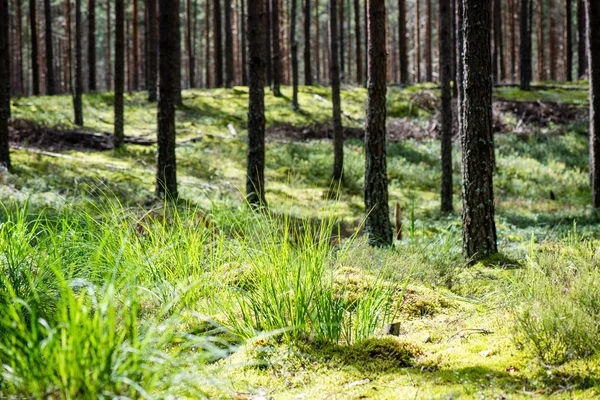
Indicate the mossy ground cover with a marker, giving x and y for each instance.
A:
(459, 327)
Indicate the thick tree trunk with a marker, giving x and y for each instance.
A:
(357, 37)
(581, 39)
(35, 68)
(217, 44)
(228, 45)
(50, 78)
(418, 40)
(294, 56)
(107, 56)
(78, 92)
(255, 174)
(276, 50)
(377, 224)
(4, 84)
(498, 62)
(525, 48)
(119, 69)
(568, 42)
(168, 32)
(308, 74)
(334, 75)
(152, 51)
(91, 56)
(479, 229)
(541, 59)
(445, 45)
(428, 62)
(244, 46)
(402, 41)
(593, 50)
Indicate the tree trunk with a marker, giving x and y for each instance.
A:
(266, 31)
(50, 79)
(308, 77)
(255, 174)
(294, 56)
(553, 39)
(317, 43)
(177, 42)
(135, 51)
(78, 92)
(92, 45)
(152, 51)
(525, 48)
(581, 38)
(35, 69)
(107, 56)
(593, 50)
(341, 38)
(418, 39)
(228, 45)
(334, 74)
(568, 42)
(4, 84)
(188, 45)
(402, 41)
(168, 32)
(244, 46)
(207, 61)
(217, 44)
(428, 63)
(445, 45)
(119, 69)
(541, 60)
(276, 50)
(513, 40)
(21, 80)
(479, 229)
(459, 60)
(377, 224)
(498, 62)
(69, 49)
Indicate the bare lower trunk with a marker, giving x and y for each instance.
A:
(294, 56)
(78, 67)
(50, 78)
(334, 72)
(568, 42)
(92, 45)
(593, 50)
(581, 40)
(402, 41)
(525, 48)
(35, 68)
(152, 51)
(4, 84)
(276, 50)
(308, 74)
(217, 44)
(445, 46)
(228, 45)
(118, 133)
(357, 37)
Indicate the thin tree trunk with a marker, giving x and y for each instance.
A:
(593, 50)
(525, 48)
(189, 47)
(255, 175)
(568, 42)
(228, 45)
(377, 224)
(152, 51)
(455, 45)
(35, 69)
(581, 38)
(244, 46)
(402, 41)
(168, 31)
(334, 72)
(78, 92)
(553, 39)
(107, 60)
(50, 78)
(428, 63)
(119, 69)
(317, 43)
(4, 84)
(445, 45)
(276, 51)
(91, 56)
(497, 64)
(349, 60)
(418, 39)
(341, 39)
(69, 49)
(308, 75)
(541, 63)
(217, 44)
(513, 41)
(479, 229)
(20, 47)
(294, 56)
(207, 61)
(267, 40)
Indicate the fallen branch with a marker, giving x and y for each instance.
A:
(324, 100)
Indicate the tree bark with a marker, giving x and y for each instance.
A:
(428, 63)
(217, 44)
(50, 78)
(255, 175)
(4, 84)
(513, 40)
(568, 42)
(35, 68)
(92, 45)
(168, 31)
(152, 51)
(525, 48)
(69, 49)
(340, 22)
(107, 56)
(402, 41)
(188, 44)
(207, 61)
(21, 88)
(581, 39)
(119, 69)
(377, 224)
(244, 46)
(266, 31)
(317, 43)
(334, 73)
(479, 229)
(78, 92)
(458, 17)
(541, 60)
(275, 50)
(593, 50)
(308, 75)
(418, 39)
(498, 63)
(553, 39)
(445, 48)
(228, 45)
(295, 104)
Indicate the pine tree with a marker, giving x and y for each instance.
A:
(428, 35)
(593, 50)
(107, 49)
(525, 48)
(152, 53)
(50, 78)
(4, 84)
(228, 45)
(275, 49)
(568, 42)
(294, 56)
(77, 93)
(581, 39)
(498, 63)
(334, 72)
(119, 69)
(91, 55)
(217, 44)
(445, 46)
(35, 68)
(402, 41)
(308, 75)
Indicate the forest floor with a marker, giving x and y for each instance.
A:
(465, 330)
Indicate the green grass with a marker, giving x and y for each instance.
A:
(104, 292)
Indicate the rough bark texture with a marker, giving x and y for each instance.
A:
(334, 75)
(459, 62)
(244, 46)
(152, 51)
(50, 78)
(91, 55)
(581, 40)
(294, 44)
(498, 63)
(168, 31)
(377, 224)
(308, 74)
(119, 71)
(479, 229)
(568, 42)
(35, 68)
(77, 93)
(593, 41)
(228, 45)
(541, 59)
(402, 41)
(217, 44)
(276, 50)
(525, 48)
(255, 173)
(428, 62)
(357, 36)
(4, 84)
(445, 45)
